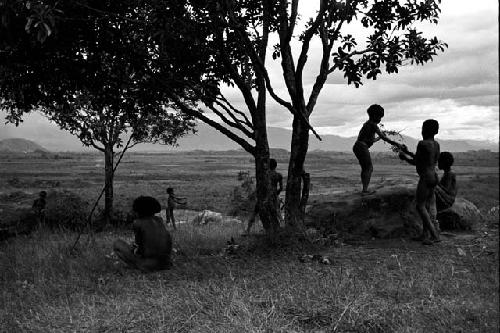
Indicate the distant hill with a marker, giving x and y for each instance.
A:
(208, 138)
(18, 145)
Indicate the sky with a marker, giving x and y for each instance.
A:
(460, 88)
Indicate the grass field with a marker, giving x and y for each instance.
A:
(374, 286)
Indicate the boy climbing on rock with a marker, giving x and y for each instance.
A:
(425, 160)
(366, 139)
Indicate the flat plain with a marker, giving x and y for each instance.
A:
(376, 286)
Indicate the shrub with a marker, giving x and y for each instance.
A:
(66, 210)
(242, 199)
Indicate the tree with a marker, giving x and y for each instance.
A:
(392, 40)
(237, 32)
(208, 26)
(88, 73)
(228, 41)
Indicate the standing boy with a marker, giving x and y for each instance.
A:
(276, 188)
(39, 207)
(366, 139)
(425, 160)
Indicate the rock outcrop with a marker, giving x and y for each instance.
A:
(388, 213)
(463, 215)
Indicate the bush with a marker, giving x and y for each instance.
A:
(66, 210)
(243, 197)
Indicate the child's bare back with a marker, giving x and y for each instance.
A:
(426, 159)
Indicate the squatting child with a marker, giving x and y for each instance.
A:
(366, 139)
(446, 190)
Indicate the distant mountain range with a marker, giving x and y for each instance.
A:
(208, 138)
(17, 145)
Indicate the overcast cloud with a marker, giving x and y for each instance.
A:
(459, 88)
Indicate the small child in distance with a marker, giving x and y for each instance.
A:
(446, 190)
(366, 139)
(172, 203)
(425, 160)
(38, 207)
(153, 243)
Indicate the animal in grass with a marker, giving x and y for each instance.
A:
(446, 189)
(366, 138)
(276, 188)
(153, 244)
(425, 160)
(172, 203)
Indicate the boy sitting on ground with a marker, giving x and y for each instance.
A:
(153, 243)
(446, 190)
(425, 160)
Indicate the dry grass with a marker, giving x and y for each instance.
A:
(390, 286)
(378, 286)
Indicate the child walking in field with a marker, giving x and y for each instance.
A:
(366, 139)
(425, 160)
(39, 207)
(153, 243)
(172, 203)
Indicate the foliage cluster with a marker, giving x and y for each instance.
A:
(66, 210)
(243, 197)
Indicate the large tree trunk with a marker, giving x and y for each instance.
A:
(296, 200)
(108, 183)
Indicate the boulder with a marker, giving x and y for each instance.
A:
(463, 215)
(390, 212)
(207, 216)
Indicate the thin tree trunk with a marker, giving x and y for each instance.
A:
(108, 183)
(296, 200)
(267, 208)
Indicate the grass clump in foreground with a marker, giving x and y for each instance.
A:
(381, 286)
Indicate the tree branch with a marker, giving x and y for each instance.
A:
(236, 123)
(241, 113)
(240, 82)
(327, 45)
(307, 38)
(197, 114)
(293, 18)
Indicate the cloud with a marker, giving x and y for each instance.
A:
(459, 88)
(456, 121)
